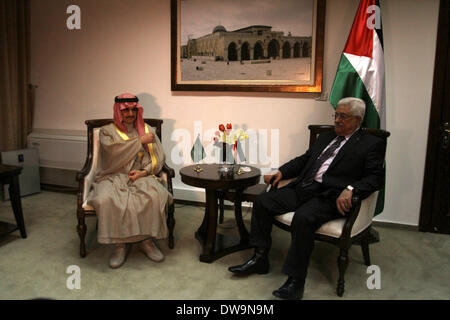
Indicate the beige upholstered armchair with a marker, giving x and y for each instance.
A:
(355, 228)
(86, 175)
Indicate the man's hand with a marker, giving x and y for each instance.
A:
(268, 177)
(344, 201)
(136, 174)
(147, 138)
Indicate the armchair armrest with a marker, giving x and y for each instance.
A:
(350, 218)
(86, 168)
(170, 172)
(280, 183)
(361, 215)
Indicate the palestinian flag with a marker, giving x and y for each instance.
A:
(360, 72)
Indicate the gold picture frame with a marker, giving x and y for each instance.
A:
(221, 53)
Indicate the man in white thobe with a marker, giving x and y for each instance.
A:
(129, 198)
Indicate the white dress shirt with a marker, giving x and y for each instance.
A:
(324, 167)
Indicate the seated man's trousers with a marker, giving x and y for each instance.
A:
(311, 211)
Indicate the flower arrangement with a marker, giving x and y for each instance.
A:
(228, 139)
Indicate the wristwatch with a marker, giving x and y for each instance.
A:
(350, 188)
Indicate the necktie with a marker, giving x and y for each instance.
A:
(309, 176)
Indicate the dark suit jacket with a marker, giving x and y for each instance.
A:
(360, 163)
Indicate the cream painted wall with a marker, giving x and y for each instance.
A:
(124, 46)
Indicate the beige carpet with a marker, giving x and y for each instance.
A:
(413, 265)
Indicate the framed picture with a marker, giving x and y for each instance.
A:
(252, 45)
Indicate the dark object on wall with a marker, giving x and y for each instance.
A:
(435, 207)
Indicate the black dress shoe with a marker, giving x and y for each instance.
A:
(292, 289)
(259, 264)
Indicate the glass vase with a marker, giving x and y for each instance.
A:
(226, 166)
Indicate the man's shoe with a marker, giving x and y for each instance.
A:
(292, 289)
(259, 264)
(119, 255)
(151, 250)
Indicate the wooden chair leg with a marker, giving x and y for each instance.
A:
(221, 204)
(14, 194)
(342, 264)
(82, 229)
(171, 225)
(365, 250)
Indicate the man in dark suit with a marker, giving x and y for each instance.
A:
(338, 165)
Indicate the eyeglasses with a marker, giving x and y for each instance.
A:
(343, 116)
(129, 109)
